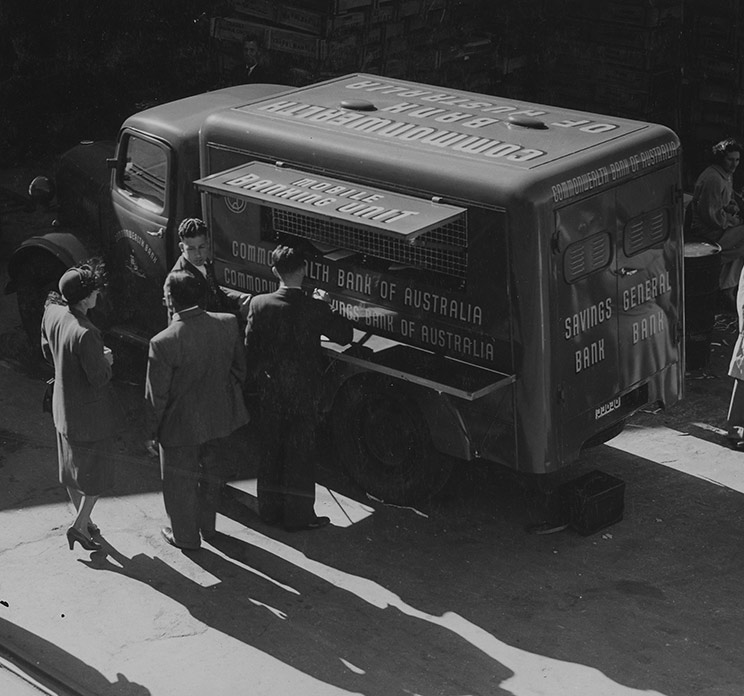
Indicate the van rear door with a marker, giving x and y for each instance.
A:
(618, 291)
(585, 265)
(648, 276)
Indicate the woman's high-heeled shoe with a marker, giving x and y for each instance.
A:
(74, 535)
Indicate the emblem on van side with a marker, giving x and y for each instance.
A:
(236, 205)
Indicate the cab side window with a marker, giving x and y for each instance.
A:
(145, 172)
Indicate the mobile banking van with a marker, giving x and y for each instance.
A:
(513, 270)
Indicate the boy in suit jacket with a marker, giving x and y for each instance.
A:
(282, 339)
(194, 258)
(195, 371)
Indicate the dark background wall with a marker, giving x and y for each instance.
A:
(73, 70)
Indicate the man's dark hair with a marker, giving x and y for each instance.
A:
(252, 37)
(192, 227)
(721, 149)
(184, 289)
(287, 260)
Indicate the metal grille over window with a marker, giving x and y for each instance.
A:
(586, 256)
(645, 231)
(442, 250)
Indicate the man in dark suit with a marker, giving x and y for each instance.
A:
(282, 339)
(251, 64)
(194, 258)
(195, 372)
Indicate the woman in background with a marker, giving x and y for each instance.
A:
(717, 214)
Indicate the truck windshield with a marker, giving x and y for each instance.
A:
(145, 172)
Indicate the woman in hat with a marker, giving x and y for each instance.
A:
(85, 410)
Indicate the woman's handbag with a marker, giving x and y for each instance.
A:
(46, 400)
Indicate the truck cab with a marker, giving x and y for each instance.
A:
(120, 201)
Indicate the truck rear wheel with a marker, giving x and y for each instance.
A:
(384, 444)
(37, 276)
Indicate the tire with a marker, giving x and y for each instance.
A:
(384, 444)
(37, 276)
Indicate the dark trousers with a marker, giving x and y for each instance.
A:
(286, 475)
(191, 489)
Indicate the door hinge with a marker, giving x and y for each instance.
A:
(561, 394)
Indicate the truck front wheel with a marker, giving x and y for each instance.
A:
(384, 444)
(37, 276)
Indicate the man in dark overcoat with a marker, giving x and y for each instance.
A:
(195, 373)
(283, 348)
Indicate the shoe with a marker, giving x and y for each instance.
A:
(208, 534)
(317, 523)
(167, 534)
(93, 529)
(74, 535)
(738, 445)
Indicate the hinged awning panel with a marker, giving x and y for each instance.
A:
(394, 214)
(389, 357)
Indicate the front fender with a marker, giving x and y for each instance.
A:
(64, 246)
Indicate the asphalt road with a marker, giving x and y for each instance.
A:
(453, 598)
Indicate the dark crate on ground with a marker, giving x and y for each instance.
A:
(593, 501)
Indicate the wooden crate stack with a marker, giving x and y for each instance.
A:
(620, 57)
(713, 80)
(477, 45)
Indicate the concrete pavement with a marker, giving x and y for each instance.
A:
(140, 617)
(259, 612)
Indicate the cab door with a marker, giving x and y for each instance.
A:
(648, 276)
(143, 199)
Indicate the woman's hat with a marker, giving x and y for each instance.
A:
(76, 284)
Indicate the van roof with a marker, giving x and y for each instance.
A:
(438, 122)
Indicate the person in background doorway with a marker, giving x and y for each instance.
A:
(252, 63)
(86, 412)
(195, 259)
(717, 214)
(193, 389)
(282, 339)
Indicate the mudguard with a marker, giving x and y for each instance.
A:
(62, 245)
(449, 434)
